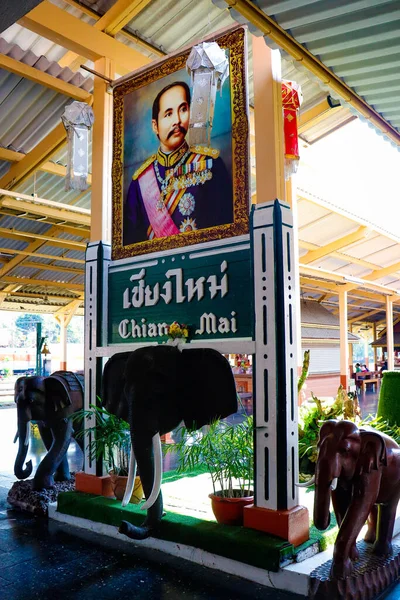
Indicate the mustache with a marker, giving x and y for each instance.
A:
(174, 130)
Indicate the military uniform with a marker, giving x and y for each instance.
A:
(185, 190)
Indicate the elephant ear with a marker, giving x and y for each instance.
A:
(327, 428)
(372, 452)
(57, 392)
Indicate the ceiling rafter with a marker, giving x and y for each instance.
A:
(47, 208)
(12, 251)
(315, 115)
(49, 267)
(343, 242)
(48, 167)
(342, 255)
(32, 161)
(30, 281)
(54, 83)
(62, 28)
(383, 272)
(126, 34)
(78, 231)
(20, 258)
(111, 23)
(51, 241)
(365, 315)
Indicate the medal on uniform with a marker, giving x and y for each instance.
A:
(188, 225)
(187, 204)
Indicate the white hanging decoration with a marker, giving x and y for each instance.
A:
(208, 66)
(77, 118)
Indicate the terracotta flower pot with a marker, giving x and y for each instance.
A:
(118, 484)
(229, 511)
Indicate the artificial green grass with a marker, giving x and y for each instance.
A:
(238, 543)
(388, 405)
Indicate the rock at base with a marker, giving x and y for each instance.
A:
(22, 496)
(371, 576)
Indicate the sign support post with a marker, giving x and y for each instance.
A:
(276, 508)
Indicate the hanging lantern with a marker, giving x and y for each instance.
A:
(208, 66)
(291, 102)
(77, 118)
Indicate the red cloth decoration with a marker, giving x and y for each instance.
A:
(291, 101)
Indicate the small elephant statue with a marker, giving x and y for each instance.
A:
(154, 388)
(360, 468)
(50, 401)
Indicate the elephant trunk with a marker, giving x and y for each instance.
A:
(149, 460)
(23, 445)
(322, 499)
(326, 479)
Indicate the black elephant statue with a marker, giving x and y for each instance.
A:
(154, 388)
(360, 469)
(50, 401)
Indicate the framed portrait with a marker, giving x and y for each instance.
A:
(167, 191)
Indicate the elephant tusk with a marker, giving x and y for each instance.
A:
(334, 484)
(28, 431)
(157, 473)
(131, 479)
(306, 483)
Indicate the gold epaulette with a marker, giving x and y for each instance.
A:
(213, 152)
(144, 166)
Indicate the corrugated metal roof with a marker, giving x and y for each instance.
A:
(358, 40)
(30, 111)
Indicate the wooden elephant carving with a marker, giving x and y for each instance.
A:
(360, 470)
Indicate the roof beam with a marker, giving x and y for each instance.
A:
(365, 315)
(314, 115)
(44, 282)
(22, 235)
(275, 32)
(354, 282)
(383, 272)
(38, 206)
(32, 161)
(42, 78)
(59, 26)
(341, 255)
(120, 14)
(14, 252)
(20, 257)
(126, 34)
(48, 167)
(111, 23)
(54, 297)
(342, 242)
(45, 267)
(6, 291)
(70, 308)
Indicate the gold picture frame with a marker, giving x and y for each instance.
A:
(235, 42)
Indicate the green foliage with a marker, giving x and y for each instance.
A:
(110, 438)
(225, 450)
(388, 405)
(346, 407)
(28, 322)
(304, 370)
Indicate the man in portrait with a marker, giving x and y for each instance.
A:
(180, 188)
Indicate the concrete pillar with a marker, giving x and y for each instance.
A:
(389, 333)
(344, 344)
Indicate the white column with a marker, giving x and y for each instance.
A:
(344, 344)
(389, 333)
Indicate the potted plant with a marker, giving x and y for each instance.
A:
(226, 451)
(111, 442)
